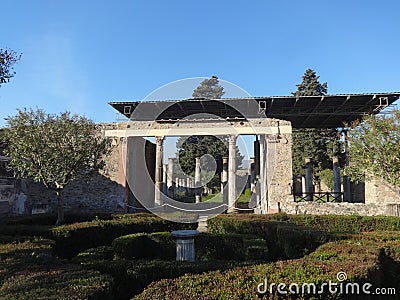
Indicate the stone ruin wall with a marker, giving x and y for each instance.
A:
(104, 191)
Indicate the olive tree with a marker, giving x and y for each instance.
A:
(375, 148)
(54, 149)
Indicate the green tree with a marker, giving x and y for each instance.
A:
(209, 88)
(54, 149)
(7, 59)
(197, 146)
(321, 144)
(375, 148)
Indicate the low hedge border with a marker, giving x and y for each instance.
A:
(132, 276)
(30, 271)
(161, 245)
(74, 238)
(328, 223)
(363, 260)
(284, 240)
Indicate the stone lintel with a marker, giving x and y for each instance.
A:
(186, 128)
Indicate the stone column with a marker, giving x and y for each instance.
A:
(257, 175)
(336, 179)
(346, 179)
(197, 179)
(170, 178)
(158, 178)
(232, 172)
(165, 176)
(303, 186)
(224, 181)
(309, 178)
(263, 175)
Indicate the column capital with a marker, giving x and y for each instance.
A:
(159, 140)
(232, 138)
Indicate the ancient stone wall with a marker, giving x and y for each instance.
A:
(343, 208)
(379, 191)
(279, 172)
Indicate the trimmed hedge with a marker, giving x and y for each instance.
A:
(284, 240)
(327, 223)
(29, 271)
(363, 260)
(161, 245)
(50, 219)
(132, 276)
(74, 238)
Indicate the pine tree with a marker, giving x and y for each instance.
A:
(197, 146)
(321, 144)
(209, 88)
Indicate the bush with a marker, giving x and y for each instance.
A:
(74, 238)
(327, 223)
(16, 231)
(132, 276)
(284, 240)
(144, 245)
(161, 245)
(30, 271)
(361, 259)
(50, 219)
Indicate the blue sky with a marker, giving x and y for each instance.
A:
(79, 55)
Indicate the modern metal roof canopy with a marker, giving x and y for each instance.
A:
(328, 111)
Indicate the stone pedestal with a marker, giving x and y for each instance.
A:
(185, 244)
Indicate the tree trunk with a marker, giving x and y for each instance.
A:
(60, 209)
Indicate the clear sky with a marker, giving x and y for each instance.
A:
(80, 54)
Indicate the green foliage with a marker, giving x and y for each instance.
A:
(74, 238)
(320, 144)
(159, 245)
(50, 219)
(30, 271)
(209, 88)
(362, 260)
(197, 146)
(326, 176)
(283, 240)
(310, 86)
(8, 58)
(54, 149)
(132, 276)
(375, 148)
(335, 224)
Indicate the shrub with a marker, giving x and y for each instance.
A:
(132, 276)
(327, 223)
(362, 260)
(16, 231)
(143, 245)
(29, 271)
(74, 238)
(50, 219)
(284, 240)
(161, 245)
